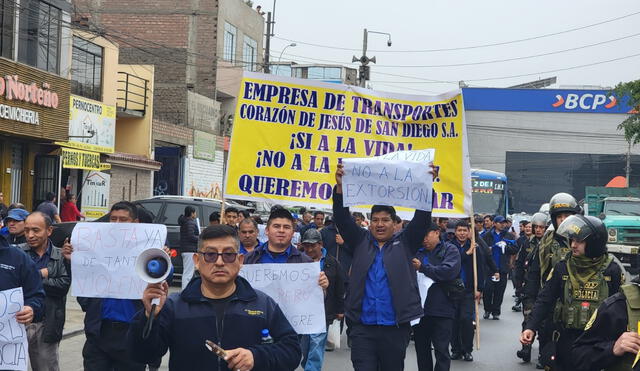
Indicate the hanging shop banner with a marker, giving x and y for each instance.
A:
(92, 125)
(289, 134)
(77, 159)
(95, 194)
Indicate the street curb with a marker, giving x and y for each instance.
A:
(71, 333)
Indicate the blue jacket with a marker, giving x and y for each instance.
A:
(188, 319)
(17, 269)
(397, 262)
(295, 257)
(466, 261)
(502, 261)
(443, 265)
(342, 253)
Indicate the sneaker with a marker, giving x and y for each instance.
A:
(486, 315)
(496, 317)
(456, 356)
(467, 357)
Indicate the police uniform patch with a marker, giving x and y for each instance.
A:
(591, 320)
(254, 312)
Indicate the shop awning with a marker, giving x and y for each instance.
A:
(79, 159)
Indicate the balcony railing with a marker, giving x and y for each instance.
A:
(132, 94)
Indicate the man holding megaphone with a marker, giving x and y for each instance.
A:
(218, 322)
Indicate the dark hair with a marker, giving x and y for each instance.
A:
(443, 220)
(478, 219)
(281, 213)
(384, 209)
(144, 215)
(318, 213)
(16, 205)
(214, 217)
(218, 231)
(230, 210)
(397, 219)
(249, 221)
(357, 214)
(433, 227)
(524, 222)
(245, 213)
(462, 223)
(70, 196)
(128, 206)
(50, 196)
(47, 219)
(488, 216)
(188, 210)
(302, 210)
(258, 219)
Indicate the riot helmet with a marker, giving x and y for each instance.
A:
(540, 219)
(562, 203)
(586, 228)
(544, 208)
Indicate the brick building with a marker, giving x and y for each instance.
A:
(182, 40)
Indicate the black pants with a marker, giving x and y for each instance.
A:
(494, 293)
(462, 337)
(109, 352)
(379, 348)
(434, 331)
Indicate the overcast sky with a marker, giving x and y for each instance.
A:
(419, 25)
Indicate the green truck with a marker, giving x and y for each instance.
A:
(619, 208)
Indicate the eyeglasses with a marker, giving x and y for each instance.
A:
(212, 257)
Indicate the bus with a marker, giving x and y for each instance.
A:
(489, 192)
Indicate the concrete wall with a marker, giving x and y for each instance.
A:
(492, 133)
(247, 22)
(129, 184)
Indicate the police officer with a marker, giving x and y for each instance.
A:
(528, 273)
(610, 340)
(578, 285)
(553, 248)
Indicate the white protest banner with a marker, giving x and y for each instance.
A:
(424, 284)
(397, 179)
(14, 350)
(295, 288)
(104, 258)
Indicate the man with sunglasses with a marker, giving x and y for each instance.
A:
(219, 306)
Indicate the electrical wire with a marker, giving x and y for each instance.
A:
(472, 46)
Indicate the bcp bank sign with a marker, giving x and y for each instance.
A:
(585, 101)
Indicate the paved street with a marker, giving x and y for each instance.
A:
(499, 342)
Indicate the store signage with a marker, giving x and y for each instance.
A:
(95, 194)
(33, 102)
(544, 100)
(13, 89)
(77, 159)
(92, 125)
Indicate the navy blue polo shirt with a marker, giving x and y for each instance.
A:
(269, 257)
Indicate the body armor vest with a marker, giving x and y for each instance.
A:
(551, 252)
(577, 305)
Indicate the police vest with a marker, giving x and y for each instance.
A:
(632, 295)
(551, 251)
(577, 305)
(532, 253)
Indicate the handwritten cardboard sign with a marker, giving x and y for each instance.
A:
(104, 258)
(14, 346)
(295, 288)
(395, 179)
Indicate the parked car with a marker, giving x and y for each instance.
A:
(166, 210)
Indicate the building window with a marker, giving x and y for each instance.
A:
(250, 54)
(7, 13)
(39, 35)
(86, 69)
(230, 33)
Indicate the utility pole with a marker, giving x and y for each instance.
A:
(364, 71)
(267, 44)
(628, 164)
